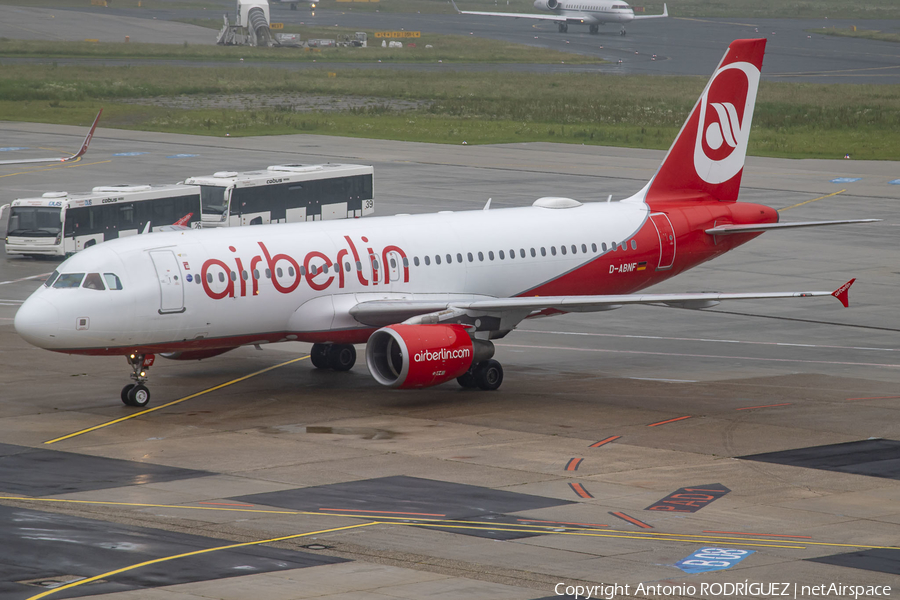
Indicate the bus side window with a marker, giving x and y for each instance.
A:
(92, 281)
(113, 283)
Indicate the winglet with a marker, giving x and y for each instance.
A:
(87, 139)
(843, 293)
(455, 6)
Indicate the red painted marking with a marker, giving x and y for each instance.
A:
(223, 504)
(579, 489)
(875, 398)
(562, 523)
(763, 406)
(611, 438)
(383, 512)
(805, 537)
(669, 421)
(631, 520)
(573, 464)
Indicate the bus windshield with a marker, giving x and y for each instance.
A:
(212, 200)
(34, 221)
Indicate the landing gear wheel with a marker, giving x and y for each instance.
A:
(467, 380)
(595, 29)
(489, 375)
(319, 356)
(563, 27)
(622, 32)
(138, 396)
(125, 391)
(341, 357)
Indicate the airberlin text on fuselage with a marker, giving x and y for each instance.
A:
(287, 272)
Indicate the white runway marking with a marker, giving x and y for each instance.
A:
(682, 339)
(25, 278)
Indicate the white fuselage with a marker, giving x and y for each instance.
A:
(265, 284)
(591, 12)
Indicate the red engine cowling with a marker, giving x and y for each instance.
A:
(417, 356)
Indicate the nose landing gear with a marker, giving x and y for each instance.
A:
(136, 394)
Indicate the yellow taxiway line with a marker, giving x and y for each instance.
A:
(813, 200)
(489, 526)
(174, 402)
(69, 586)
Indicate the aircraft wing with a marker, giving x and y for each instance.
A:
(509, 14)
(732, 229)
(84, 147)
(510, 311)
(665, 13)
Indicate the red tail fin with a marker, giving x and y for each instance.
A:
(707, 158)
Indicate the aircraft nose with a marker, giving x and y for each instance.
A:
(38, 322)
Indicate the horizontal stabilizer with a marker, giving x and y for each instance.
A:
(760, 227)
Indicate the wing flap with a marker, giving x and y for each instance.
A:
(378, 313)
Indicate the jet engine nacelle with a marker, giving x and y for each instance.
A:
(417, 356)
(546, 4)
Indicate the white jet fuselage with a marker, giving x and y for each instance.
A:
(269, 284)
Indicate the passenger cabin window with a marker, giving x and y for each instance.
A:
(93, 281)
(416, 260)
(68, 280)
(113, 282)
(427, 260)
(633, 245)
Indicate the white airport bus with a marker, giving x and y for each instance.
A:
(60, 223)
(286, 194)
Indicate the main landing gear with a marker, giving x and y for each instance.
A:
(623, 30)
(563, 27)
(340, 357)
(136, 394)
(487, 375)
(594, 29)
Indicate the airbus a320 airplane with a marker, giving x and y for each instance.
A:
(593, 13)
(425, 293)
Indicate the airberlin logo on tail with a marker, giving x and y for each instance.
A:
(442, 354)
(285, 272)
(726, 111)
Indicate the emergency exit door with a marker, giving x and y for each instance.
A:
(171, 288)
(666, 240)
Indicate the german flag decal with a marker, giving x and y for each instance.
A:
(642, 265)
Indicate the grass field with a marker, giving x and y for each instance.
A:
(791, 120)
(445, 48)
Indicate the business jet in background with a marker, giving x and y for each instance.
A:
(425, 293)
(593, 13)
(84, 147)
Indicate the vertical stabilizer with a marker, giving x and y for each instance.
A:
(707, 158)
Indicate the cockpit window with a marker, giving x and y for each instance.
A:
(93, 281)
(113, 282)
(68, 280)
(52, 278)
